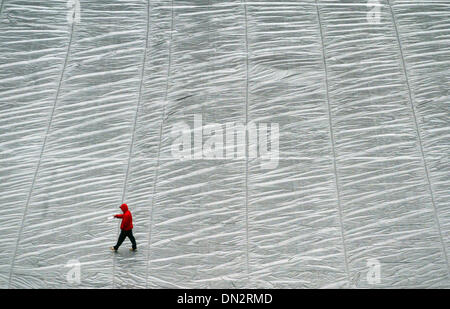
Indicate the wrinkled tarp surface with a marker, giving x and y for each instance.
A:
(86, 111)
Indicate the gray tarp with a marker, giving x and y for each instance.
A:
(88, 99)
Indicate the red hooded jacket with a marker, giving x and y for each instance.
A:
(127, 220)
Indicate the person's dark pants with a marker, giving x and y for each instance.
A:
(122, 236)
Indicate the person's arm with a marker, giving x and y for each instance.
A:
(118, 216)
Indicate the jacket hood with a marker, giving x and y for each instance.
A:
(124, 207)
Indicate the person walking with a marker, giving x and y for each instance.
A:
(126, 228)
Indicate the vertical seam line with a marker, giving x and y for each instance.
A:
(150, 238)
(336, 179)
(41, 153)
(1, 7)
(144, 60)
(247, 140)
(419, 138)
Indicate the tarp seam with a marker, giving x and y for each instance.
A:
(247, 141)
(41, 153)
(419, 137)
(125, 185)
(336, 179)
(159, 144)
(1, 7)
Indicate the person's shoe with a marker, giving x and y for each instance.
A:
(113, 249)
(131, 249)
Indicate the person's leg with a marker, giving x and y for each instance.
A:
(133, 240)
(120, 240)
